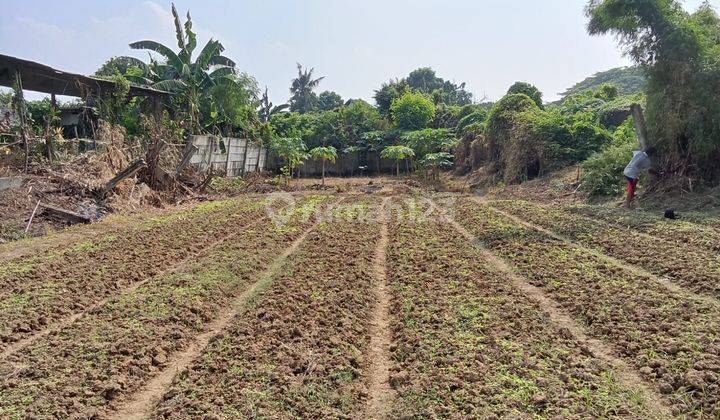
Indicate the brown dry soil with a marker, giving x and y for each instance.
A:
(367, 301)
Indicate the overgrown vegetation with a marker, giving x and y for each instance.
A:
(679, 53)
(628, 80)
(517, 138)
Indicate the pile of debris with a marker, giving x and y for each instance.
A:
(121, 176)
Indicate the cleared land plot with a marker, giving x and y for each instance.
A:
(671, 339)
(299, 351)
(42, 290)
(216, 312)
(469, 344)
(88, 366)
(696, 268)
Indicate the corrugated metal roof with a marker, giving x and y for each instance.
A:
(41, 78)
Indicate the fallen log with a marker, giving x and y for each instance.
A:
(66, 215)
(131, 170)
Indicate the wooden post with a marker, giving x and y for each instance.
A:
(48, 135)
(640, 126)
(66, 215)
(21, 109)
(247, 143)
(227, 156)
(125, 173)
(157, 111)
(190, 150)
(257, 162)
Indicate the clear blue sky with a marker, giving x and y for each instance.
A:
(356, 44)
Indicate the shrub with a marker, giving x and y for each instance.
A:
(412, 111)
(476, 117)
(430, 140)
(602, 172)
(527, 89)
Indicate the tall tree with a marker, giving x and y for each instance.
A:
(679, 52)
(302, 98)
(387, 93)
(329, 100)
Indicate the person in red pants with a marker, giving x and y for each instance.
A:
(640, 162)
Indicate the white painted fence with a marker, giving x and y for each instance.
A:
(236, 157)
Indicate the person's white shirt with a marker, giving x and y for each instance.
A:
(639, 162)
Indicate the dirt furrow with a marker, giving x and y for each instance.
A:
(140, 405)
(626, 375)
(116, 349)
(684, 231)
(66, 321)
(668, 338)
(694, 268)
(300, 350)
(380, 392)
(664, 281)
(36, 295)
(470, 344)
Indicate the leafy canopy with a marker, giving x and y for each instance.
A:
(328, 100)
(397, 152)
(412, 111)
(527, 89)
(328, 153)
(679, 53)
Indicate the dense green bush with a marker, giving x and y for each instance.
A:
(412, 111)
(476, 117)
(430, 140)
(529, 90)
(329, 100)
(603, 171)
(524, 141)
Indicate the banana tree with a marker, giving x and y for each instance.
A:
(327, 153)
(178, 73)
(267, 109)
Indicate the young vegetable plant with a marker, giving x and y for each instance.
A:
(324, 153)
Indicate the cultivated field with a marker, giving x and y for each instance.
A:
(382, 304)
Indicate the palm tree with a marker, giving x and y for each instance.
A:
(178, 73)
(267, 109)
(303, 99)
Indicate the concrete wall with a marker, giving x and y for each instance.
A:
(345, 165)
(234, 161)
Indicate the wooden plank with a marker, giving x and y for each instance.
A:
(66, 215)
(135, 166)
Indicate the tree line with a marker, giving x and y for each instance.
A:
(433, 123)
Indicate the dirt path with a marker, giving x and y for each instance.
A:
(380, 391)
(663, 281)
(68, 320)
(625, 374)
(141, 404)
